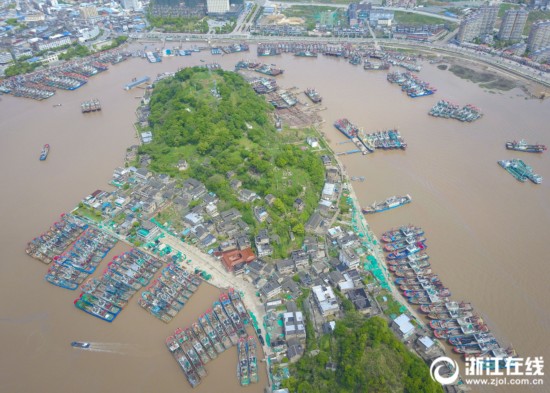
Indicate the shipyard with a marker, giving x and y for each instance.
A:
(153, 244)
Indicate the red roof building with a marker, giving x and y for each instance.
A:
(234, 257)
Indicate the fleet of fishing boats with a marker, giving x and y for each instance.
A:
(520, 170)
(217, 330)
(453, 321)
(448, 110)
(411, 84)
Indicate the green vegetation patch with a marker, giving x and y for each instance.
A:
(368, 358)
(179, 25)
(233, 135)
(408, 18)
(21, 67)
(75, 51)
(328, 16)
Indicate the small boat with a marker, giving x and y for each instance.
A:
(524, 146)
(390, 203)
(80, 344)
(44, 152)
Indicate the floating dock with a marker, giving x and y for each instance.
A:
(136, 82)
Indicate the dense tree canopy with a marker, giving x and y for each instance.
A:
(218, 124)
(368, 358)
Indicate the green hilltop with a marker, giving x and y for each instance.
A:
(216, 122)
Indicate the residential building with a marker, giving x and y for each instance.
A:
(349, 258)
(285, 266)
(403, 326)
(294, 325)
(88, 11)
(360, 300)
(539, 37)
(5, 57)
(478, 25)
(53, 43)
(271, 289)
(513, 22)
(300, 259)
(326, 300)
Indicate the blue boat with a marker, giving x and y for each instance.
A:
(45, 151)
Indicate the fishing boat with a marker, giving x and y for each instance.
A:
(404, 243)
(187, 347)
(390, 203)
(400, 233)
(80, 344)
(94, 310)
(211, 333)
(204, 340)
(107, 306)
(521, 145)
(183, 361)
(197, 346)
(218, 328)
(252, 360)
(313, 95)
(44, 152)
(225, 321)
(450, 306)
(232, 314)
(412, 249)
(346, 128)
(238, 303)
(243, 372)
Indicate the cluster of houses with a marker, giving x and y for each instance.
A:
(329, 263)
(38, 31)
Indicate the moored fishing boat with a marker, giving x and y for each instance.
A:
(400, 233)
(390, 203)
(211, 333)
(204, 340)
(232, 314)
(238, 304)
(252, 359)
(450, 306)
(107, 306)
(313, 95)
(197, 346)
(94, 310)
(187, 347)
(244, 377)
(404, 243)
(174, 347)
(412, 249)
(461, 331)
(218, 328)
(226, 323)
(346, 128)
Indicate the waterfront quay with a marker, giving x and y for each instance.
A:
(502, 64)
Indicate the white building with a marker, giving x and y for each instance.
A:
(88, 34)
(294, 324)
(52, 44)
(130, 4)
(217, 6)
(325, 299)
(402, 324)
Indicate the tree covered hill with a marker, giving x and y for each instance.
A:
(215, 121)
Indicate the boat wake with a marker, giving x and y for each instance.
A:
(115, 348)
